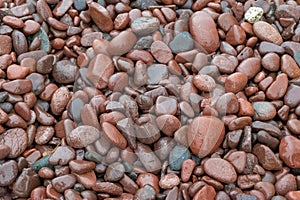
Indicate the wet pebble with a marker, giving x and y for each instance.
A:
(16, 139)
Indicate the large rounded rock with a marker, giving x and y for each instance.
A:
(204, 31)
(266, 32)
(205, 134)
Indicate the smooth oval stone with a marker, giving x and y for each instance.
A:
(101, 17)
(20, 86)
(31, 27)
(169, 181)
(108, 187)
(204, 32)
(9, 172)
(122, 43)
(16, 139)
(82, 136)
(266, 157)
(264, 111)
(271, 62)
(205, 134)
(64, 182)
(114, 135)
(59, 100)
(292, 96)
(161, 52)
(145, 25)
(204, 82)
(289, 151)
(176, 157)
(236, 82)
(278, 88)
(19, 42)
(221, 170)
(26, 182)
(148, 158)
(266, 32)
(64, 72)
(289, 66)
(250, 67)
(294, 126)
(43, 9)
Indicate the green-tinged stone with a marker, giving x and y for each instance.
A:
(43, 162)
(254, 14)
(178, 154)
(45, 43)
(93, 156)
(79, 187)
